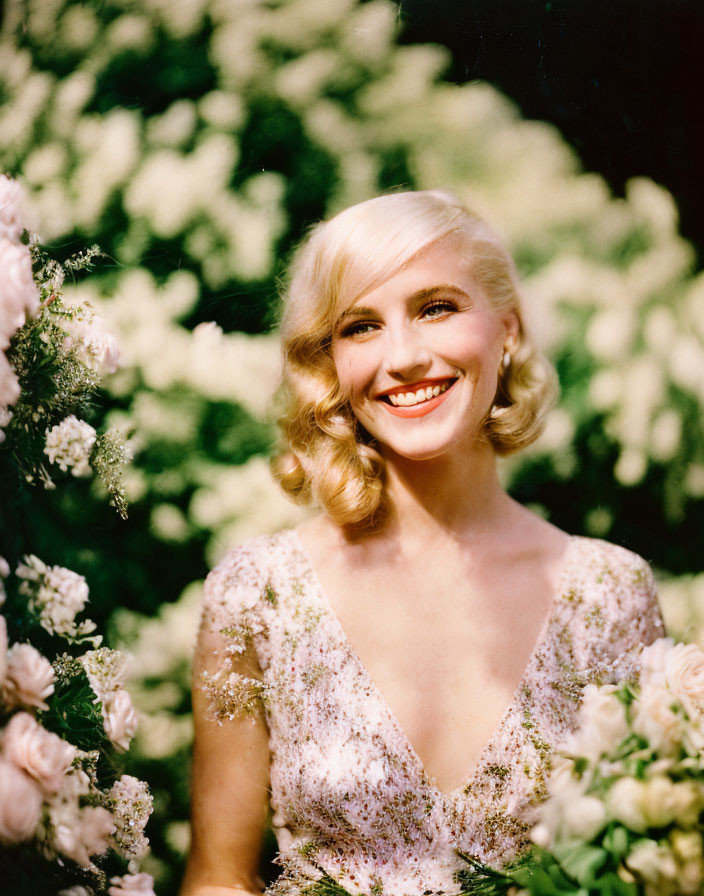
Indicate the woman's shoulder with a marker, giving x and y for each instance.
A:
(613, 594)
(606, 563)
(243, 575)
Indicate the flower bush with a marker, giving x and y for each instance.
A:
(195, 142)
(69, 822)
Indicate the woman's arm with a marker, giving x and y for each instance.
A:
(229, 786)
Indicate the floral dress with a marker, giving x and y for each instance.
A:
(349, 794)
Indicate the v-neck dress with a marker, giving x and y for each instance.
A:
(349, 794)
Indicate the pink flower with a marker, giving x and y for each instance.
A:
(19, 295)
(11, 196)
(3, 649)
(132, 885)
(120, 718)
(43, 755)
(9, 384)
(80, 833)
(30, 677)
(20, 804)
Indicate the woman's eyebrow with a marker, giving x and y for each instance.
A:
(430, 291)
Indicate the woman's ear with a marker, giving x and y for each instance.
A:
(512, 330)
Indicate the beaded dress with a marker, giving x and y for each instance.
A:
(349, 794)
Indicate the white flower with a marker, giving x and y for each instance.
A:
(652, 861)
(55, 593)
(132, 885)
(88, 336)
(684, 671)
(654, 803)
(19, 296)
(20, 804)
(624, 803)
(105, 669)
(30, 677)
(69, 444)
(42, 754)
(602, 723)
(11, 198)
(120, 719)
(133, 806)
(652, 663)
(655, 719)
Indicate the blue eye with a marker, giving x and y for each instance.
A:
(438, 309)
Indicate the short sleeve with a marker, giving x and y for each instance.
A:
(227, 666)
(637, 618)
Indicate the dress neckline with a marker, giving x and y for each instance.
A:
(474, 769)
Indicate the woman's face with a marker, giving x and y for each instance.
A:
(419, 356)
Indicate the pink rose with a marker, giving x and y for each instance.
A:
(80, 833)
(11, 196)
(30, 678)
(20, 804)
(3, 648)
(120, 718)
(43, 755)
(19, 295)
(132, 885)
(9, 385)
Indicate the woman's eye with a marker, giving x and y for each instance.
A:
(358, 328)
(438, 309)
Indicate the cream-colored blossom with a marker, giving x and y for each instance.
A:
(30, 677)
(132, 807)
(55, 593)
(70, 445)
(89, 336)
(602, 723)
(120, 718)
(80, 832)
(684, 672)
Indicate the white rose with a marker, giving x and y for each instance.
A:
(602, 723)
(92, 342)
(665, 801)
(654, 719)
(684, 670)
(45, 756)
(583, 819)
(132, 885)
(30, 677)
(652, 861)
(120, 718)
(652, 662)
(20, 804)
(624, 802)
(19, 295)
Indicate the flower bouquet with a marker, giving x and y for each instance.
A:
(70, 823)
(624, 813)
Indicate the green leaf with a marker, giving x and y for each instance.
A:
(616, 841)
(581, 861)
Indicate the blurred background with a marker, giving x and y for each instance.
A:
(195, 140)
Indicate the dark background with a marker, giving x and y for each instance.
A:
(622, 79)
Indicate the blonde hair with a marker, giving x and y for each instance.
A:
(330, 458)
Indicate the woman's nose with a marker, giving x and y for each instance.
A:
(406, 353)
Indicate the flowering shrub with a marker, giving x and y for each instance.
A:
(69, 822)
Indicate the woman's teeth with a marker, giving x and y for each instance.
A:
(405, 399)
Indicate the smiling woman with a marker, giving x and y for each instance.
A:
(392, 676)
(408, 243)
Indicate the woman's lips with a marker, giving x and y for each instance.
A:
(422, 407)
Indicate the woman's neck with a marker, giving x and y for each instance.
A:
(458, 496)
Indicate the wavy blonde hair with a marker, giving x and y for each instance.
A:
(329, 457)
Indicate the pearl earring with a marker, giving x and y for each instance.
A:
(506, 360)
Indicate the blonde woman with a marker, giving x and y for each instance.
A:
(391, 677)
